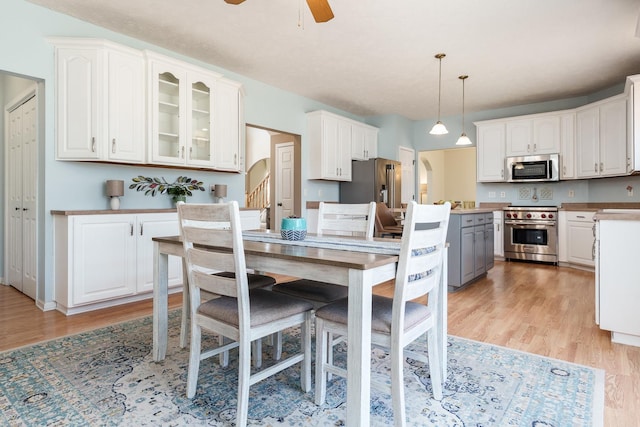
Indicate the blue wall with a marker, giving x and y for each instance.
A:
(24, 50)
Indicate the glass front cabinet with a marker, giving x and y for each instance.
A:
(185, 128)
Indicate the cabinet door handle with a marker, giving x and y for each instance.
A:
(535, 147)
(528, 148)
(595, 167)
(17, 208)
(182, 155)
(601, 167)
(580, 216)
(235, 159)
(93, 144)
(190, 153)
(141, 229)
(501, 173)
(113, 146)
(131, 229)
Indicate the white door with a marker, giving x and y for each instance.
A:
(407, 158)
(285, 173)
(22, 183)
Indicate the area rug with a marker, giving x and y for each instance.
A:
(108, 377)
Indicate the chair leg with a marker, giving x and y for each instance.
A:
(224, 356)
(194, 361)
(397, 386)
(256, 352)
(244, 378)
(277, 345)
(186, 309)
(305, 338)
(321, 360)
(435, 364)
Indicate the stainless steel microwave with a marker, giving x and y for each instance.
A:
(533, 168)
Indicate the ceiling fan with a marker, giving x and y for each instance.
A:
(320, 9)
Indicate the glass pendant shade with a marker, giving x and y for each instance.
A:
(463, 140)
(438, 129)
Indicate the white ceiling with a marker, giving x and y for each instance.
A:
(376, 57)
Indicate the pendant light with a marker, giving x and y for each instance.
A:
(464, 139)
(439, 128)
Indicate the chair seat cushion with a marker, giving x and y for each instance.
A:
(266, 307)
(381, 317)
(255, 280)
(312, 290)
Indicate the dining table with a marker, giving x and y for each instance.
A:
(357, 263)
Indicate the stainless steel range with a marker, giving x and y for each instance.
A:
(531, 233)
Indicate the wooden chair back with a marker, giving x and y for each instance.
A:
(422, 258)
(346, 219)
(218, 226)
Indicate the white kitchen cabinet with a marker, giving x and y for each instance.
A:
(632, 89)
(99, 101)
(181, 108)
(490, 151)
(601, 138)
(529, 136)
(617, 290)
(227, 129)
(364, 142)
(101, 260)
(579, 238)
(567, 146)
(329, 146)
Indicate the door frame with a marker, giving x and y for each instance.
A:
(33, 91)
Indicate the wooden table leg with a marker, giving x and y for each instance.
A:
(160, 302)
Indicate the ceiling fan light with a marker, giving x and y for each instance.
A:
(463, 140)
(439, 129)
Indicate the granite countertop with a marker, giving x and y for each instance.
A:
(619, 215)
(472, 211)
(598, 206)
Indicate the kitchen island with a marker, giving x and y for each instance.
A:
(617, 282)
(471, 246)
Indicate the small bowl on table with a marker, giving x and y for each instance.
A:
(293, 228)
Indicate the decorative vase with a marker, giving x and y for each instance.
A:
(293, 228)
(177, 199)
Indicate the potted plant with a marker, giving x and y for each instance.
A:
(178, 190)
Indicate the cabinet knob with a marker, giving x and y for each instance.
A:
(595, 167)
(93, 144)
(601, 167)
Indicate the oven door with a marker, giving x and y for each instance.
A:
(531, 240)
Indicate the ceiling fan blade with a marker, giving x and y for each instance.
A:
(320, 10)
(233, 1)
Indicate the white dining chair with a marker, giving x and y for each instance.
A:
(398, 321)
(234, 312)
(333, 219)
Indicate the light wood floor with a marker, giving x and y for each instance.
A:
(529, 307)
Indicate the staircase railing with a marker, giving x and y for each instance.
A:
(259, 197)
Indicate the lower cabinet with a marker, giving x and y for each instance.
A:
(102, 258)
(471, 247)
(576, 237)
(498, 239)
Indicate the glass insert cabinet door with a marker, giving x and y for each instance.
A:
(169, 144)
(200, 121)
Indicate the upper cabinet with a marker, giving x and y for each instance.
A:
(533, 135)
(332, 139)
(567, 146)
(181, 107)
(601, 138)
(364, 142)
(99, 101)
(490, 151)
(632, 90)
(109, 107)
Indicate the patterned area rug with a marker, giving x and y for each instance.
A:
(108, 377)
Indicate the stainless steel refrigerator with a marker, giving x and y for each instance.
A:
(375, 180)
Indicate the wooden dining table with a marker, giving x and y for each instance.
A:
(347, 263)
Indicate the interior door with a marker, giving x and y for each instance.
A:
(407, 158)
(285, 173)
(22, 184)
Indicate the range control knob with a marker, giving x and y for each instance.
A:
(544, 215)
(528, 215)
(550, 216)
(508, 215)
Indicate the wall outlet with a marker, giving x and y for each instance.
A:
(503, 194)
(572, 193)
(492, 194)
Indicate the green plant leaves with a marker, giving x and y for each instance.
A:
(182, 186)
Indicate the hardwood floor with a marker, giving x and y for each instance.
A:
(535, 308)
